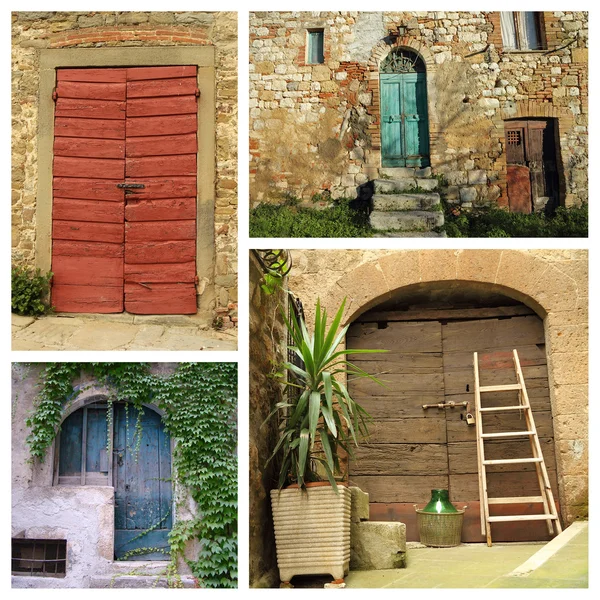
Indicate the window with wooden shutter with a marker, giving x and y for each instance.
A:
(521, 30)
(314, 47)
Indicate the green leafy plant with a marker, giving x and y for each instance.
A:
(324, 418)
(30, 291)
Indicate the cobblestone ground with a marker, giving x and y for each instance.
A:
(118, 332)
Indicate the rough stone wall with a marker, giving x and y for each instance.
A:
(266, 351)
(328, 114)
(83, 515)
(34, 31)
(552, 282)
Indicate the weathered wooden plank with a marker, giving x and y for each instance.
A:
(394, 383)
(91, 109)
(399, 405)
(167, 105)
(167, 187)
(161, 145)
(444, 314)
(83, 270)
(163, 252)
(88, 189)
(410, 337)
(90, 128)
(89, 147)
(501, 358)
(179, 86)
(400, 459)
(69, 248)
(156, 231)
(409, 431)
(87, 298)
(92, 91)
(401, 362)
(167, 125)
(462, 456)
(512, 483)
(160, 210)
(459, 431)
(479, 336)
(456, 381)
(89, 232)
(97, 211)
(110, 75)
(398, 488)
(102, 168)
(141, 73)
(161, 166)
(161, 273)
(160, 298)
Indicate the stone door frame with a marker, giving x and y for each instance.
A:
(202, 57)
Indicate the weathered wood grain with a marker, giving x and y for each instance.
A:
(399, 405)
(444, 314)
(167, 105)
(161, 273)
(71, 248)
(160, 210)
(87, 189)
(156, 231)
(179, 86)
(161, 166)
(159, 145)
(167, 187)
(89, 232)
(80, 270)
(410, 337)
(399, 488)
(89, 128)
(87, 298)
(91, 109)
(160, 298)
(89, 147)
(400, 459)
(160, 252)
(500, 485)
(408, 431)
(102, 168)
(112, 75)
(97, 211)
(141, 73)
(167, 125)
(92, 91)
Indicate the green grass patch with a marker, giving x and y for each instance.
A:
(495, 222)
(346, 218)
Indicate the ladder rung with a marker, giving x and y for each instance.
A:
(505, 434)
(512, 461)
(516, 500)
(522, 518)
(500, 388)
(502, 408)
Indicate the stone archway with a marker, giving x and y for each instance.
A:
(552, 283)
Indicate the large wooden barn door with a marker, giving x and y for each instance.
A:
(124, 190)
(412, 450)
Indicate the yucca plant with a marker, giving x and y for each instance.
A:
(323, 418)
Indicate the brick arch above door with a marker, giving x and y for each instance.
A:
(204, 59)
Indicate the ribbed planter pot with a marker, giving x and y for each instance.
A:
(312, 531)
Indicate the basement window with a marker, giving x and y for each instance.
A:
(39, 558)
(521, 30)
(314, 46)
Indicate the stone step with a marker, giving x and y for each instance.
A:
(418, 220)
(391, 202)
(139, 581)
(404, 172)
(410, 234)
(387, 186)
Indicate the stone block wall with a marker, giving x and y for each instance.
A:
(34, 31)
(554, 283)
(314, 128)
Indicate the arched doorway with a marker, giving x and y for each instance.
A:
(404, 120)
(138, 466)
(431, 331)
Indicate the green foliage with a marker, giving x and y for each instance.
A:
(343, 219)
(30, 291)
(199, 405)
(323, 412)
(495, 222)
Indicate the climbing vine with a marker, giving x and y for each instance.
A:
(199, 403)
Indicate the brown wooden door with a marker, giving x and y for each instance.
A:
(124, 190)
(412, 450)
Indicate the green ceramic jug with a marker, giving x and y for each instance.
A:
(440, 503)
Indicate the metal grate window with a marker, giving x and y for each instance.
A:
(513, 138)
(295, 308)
(39, 558)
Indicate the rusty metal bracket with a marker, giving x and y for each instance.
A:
(130, 185)
(450, 404)
(54, 94)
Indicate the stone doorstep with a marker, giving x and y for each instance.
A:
(403, 172)
(401, 185)
(406, 221)
(392, 202)
(138, 581)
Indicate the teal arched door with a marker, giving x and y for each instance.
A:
(404, 120)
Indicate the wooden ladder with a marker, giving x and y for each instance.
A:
(546, 497)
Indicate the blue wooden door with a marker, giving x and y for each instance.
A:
(404, 129)
(142, 480)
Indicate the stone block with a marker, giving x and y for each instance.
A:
(406, 221)
(390, 202)
(468, 194)
(477, 177)
(376, 545)
(359, 505)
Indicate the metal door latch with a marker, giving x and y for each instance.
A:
(130, 185)
(450, 404)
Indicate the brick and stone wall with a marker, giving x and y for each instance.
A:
(34, 31)
(314, 128)
(554, 283)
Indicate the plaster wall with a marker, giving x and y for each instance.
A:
(328, 113)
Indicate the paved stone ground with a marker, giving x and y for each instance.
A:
(118, 332)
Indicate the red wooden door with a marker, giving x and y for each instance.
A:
(124, 190)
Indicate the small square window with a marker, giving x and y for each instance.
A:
(314, 47)
(39, 558)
